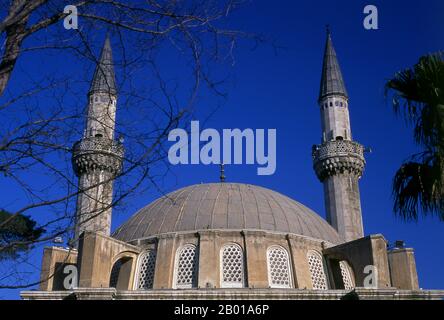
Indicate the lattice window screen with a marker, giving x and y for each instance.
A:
(114, 276)
(278, 268)
(147, 263)
(346, 276)
(232, 266)
(186, 267)
(316, 266)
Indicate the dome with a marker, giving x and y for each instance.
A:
(225, 206)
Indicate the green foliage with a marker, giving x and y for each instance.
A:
(17, 234)
(418, 96)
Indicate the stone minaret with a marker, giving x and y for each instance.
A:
(339, 161)
(97, 157)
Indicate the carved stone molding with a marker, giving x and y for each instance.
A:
(335, 157)
(97, 153)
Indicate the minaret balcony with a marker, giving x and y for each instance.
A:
(97, 153)
(338, 156)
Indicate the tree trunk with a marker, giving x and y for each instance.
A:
(15, 33)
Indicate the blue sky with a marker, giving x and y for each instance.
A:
(278, 88)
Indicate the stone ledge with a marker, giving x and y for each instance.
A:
(235, 294)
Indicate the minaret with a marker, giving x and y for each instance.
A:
(339, 161)
(97, 157)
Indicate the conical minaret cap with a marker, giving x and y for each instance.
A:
(104, 79)
(332, 82)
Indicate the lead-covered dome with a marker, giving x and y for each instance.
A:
(226, 206)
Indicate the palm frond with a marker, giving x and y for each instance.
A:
(417, 190)
(418, 96)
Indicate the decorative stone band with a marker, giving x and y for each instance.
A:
(340, 156)
(97, 153)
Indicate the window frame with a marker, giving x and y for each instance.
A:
(224, 284)
(289, 269)
(176, 266)
(139, 261)
(324, 269)
(350, 274)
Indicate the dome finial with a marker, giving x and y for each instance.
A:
(222, 172)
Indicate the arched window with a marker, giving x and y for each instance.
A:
(145, 274)
(232, 266)
(278, 268)
(317, 270)
(346, 275)
(121, 273)
(114, 276)
(186, 267)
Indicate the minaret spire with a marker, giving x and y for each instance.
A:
(102, 96)
(332, 82)
(339, 161)
(97, 157)
(104, 79)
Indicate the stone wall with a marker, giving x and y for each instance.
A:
(210, 243)
(368, 251)
(53, 263)
(403, 268)
(97, 255)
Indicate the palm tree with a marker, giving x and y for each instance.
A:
(418, 96)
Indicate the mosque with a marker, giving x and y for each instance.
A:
(226, 240)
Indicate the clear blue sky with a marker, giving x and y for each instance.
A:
(279, 89)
